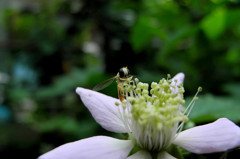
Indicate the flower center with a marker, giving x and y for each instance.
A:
(153, 116)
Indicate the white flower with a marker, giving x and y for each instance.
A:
(153, 122)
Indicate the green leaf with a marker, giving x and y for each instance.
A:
(208, 108)
(143, 31)
(174, 39)
(213, 25)
(233, 89)
(232, 18)
(62, 84)
(68, 125)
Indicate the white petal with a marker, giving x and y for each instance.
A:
(99, 147)
(142, 154)
(177, 80)
(165, 155)
(218, 136)
(103, 109)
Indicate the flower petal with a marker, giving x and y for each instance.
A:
(142, 154)
(177, 80)
(100, 147)
(103, 109)
(165, 155)
(218, 136)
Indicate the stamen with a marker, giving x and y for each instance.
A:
(168, 76)
(191, 104)
(153, 116)
(155, 113)
(189, 109)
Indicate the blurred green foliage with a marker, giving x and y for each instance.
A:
(48, 48)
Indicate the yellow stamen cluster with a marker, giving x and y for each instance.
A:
(153, 115)
(158, 107)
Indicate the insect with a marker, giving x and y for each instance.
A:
(122, 76)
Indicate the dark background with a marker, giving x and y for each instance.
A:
(48, 48)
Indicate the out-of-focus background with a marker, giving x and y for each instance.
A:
(48, 48)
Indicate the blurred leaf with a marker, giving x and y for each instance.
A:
(174, 39)
(68, 125)
(18, 94)
(208, 108)
(65, 83)
(145, 28)
(218, 1)
(232, 17)
(233, 89)
(214, 24)
(233, 56)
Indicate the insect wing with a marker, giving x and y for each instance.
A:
(104, 84)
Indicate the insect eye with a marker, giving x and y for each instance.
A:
(121, 73)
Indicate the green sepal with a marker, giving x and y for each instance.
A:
(175, 151)
(134, 150)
